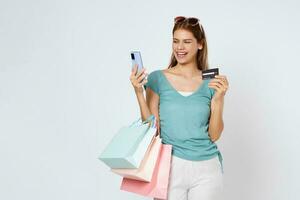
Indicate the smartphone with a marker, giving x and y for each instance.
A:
(136, 58)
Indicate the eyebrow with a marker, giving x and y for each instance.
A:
(183, 39)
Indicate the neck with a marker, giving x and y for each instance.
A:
(188, 70)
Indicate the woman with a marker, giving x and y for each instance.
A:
(189, 113)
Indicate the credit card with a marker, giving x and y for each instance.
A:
(210, 73)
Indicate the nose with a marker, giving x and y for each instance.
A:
(180, 46)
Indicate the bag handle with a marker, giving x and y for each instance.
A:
(151, 120)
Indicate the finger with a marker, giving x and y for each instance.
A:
(216, 80)
(220, 76)
(133, 73)
(134, 76)
(143, 82)
(140, 72)
(220, 87)
(227, 83)
(217, 84)
(219, 80)
(133, 70)
(223, 78)
(221, 84)
(141, 77)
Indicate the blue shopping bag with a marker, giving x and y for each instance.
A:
(128, 147)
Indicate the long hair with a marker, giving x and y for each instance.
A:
(199, 34)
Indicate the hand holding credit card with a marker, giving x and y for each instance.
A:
(210, 73)
(218, 82)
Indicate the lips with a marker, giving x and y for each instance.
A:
(181, 54)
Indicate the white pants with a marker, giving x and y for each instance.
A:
(195, 180)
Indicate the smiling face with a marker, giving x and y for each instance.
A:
(185, 46)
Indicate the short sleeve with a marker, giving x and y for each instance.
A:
(153, 82)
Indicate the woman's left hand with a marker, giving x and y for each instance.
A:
(221, 85)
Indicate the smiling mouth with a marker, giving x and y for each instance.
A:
(181, 55)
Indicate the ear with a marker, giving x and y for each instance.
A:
(200, 46)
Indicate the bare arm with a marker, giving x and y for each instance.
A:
(149, 105)
(153, 105)
(144, 109)
(216, 124)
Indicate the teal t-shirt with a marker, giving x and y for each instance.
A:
(184, 120)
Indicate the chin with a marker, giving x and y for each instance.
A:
(182, 62)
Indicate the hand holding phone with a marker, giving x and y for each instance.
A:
(138, 75)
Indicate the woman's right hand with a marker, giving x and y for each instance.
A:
(136, 79)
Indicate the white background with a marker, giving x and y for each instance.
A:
(65, 90)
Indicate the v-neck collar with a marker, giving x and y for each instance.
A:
(171, 86)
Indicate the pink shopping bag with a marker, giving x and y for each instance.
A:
(158, 186)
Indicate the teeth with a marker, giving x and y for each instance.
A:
(181, 54)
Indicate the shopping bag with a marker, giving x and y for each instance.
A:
(146, 169)
(128, 147)
(158, 186)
